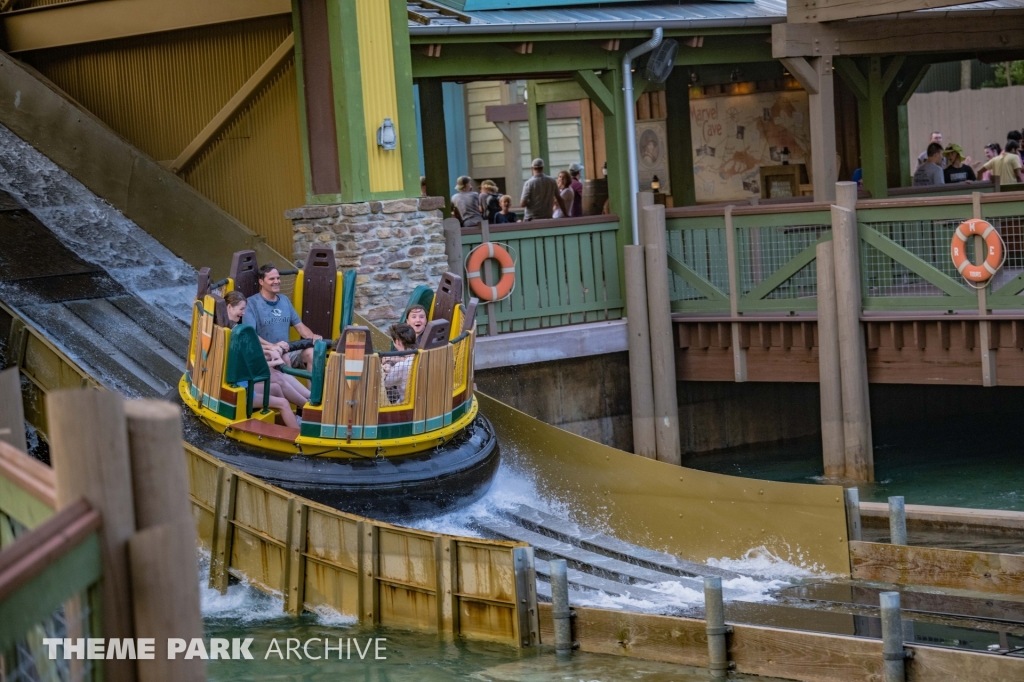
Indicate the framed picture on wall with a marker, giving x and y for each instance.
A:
(652, 155)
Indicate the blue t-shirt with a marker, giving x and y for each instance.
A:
(271, 320)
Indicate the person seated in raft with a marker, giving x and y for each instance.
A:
(396, 373)
(236, 305)
(417, 319)
(272, 315)
(293, 390)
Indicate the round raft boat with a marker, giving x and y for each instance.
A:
(363, 444)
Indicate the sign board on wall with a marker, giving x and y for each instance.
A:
(652, 154)
(734, 135)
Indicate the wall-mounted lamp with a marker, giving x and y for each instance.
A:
(386, 137)
(655, 184)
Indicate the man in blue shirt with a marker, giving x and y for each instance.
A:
(272, 315)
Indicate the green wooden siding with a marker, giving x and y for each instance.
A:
(564, 275)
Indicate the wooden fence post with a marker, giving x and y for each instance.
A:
(165, 576)
(368, 593)
(12, 412)
(223, 514)
(663, 359)
(641, 382)
(852, 355)
(833, 444)
(988, 354)
(89, 451)
(444, 559)
(739, 351)
(526, 596)
(453, 244)
(295, 566)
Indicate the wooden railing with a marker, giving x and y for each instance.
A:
(567, 272)
(904, 255)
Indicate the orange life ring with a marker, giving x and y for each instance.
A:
(475, 262)
(993, 243)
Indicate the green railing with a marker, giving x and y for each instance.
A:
(567, 272)
(904, 255)
(775, 251)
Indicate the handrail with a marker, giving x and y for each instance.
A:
(541, 224)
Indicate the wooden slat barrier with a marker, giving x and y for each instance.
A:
(320, 557)
(789, 654)
(934, 567)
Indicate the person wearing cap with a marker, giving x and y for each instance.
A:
(540, 193)
(576, 210)
(956, 170)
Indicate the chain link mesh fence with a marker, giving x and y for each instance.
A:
(28, 660)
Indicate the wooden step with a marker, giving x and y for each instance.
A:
(592, 582)
(267, 430)
(567, 531)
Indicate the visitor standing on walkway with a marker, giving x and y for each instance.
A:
(466, 203)
(936, 139)
(1007, 166)
(929, 173)
(505, 215)
(576, 210)
(566, 193)
(956, 170)
(540, 194)
(490, 199)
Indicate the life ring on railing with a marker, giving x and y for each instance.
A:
(474, 264)
(993, 245)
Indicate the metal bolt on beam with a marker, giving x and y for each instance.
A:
(893, 653)
(714, 617)
(897, 521)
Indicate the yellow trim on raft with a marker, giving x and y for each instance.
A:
(326, 447)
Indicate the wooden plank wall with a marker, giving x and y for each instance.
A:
(320, 557)
(970, 118)
(789, 654)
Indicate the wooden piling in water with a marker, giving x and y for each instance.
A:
(89, 450)
(833, 444)
(663, 361)
(852, 355)
(641, 382)
(560, 613)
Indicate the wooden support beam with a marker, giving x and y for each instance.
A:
(229, 111)
(786, 334)
(948, 568)
(765, 330)
(896, 331)
(967, 31)
(944, 334)
(815, 11)
(703, 335)
(610, 45)
(815, 75)
(920, 335)
(874, 335)
(968, 333)
(1017, 334)
(428, 49)
(692, 41)
(684, 336)
(520, 48)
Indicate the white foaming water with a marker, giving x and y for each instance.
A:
(95, 230)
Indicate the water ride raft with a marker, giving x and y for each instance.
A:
(360, 446)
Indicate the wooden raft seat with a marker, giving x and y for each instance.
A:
(267, 430)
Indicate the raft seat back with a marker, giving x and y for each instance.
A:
(203, 285)
(421, 295)
(435, 335)
(220, 311)
(245, 272)
(316, 384)
(469, 321)
(449, 294)
(246, 363)
(348, 298)
(319, 282)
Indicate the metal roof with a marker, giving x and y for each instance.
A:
(646, 17)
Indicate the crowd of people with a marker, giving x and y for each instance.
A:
(939, 165)
(543, 198)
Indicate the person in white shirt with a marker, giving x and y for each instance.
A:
(566, 192)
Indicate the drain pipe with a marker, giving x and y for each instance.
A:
(627, 90)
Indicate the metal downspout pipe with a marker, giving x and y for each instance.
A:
(627, 90)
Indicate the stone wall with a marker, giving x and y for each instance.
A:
(393, 246)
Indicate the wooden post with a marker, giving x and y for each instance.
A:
(897, 520)
(560, 613)
(815, 75)
(488, 277)
(165, 601)
(714, 623)
(170, 605)
(641, 382)
(435, 152)
(453, 244)
(12, 412)
(89, 451)
(988, 355)
(893, 654)
(526, 596)
(368, 595)
(445, 549)
(295, 566)
(220, 543)
(833, 445)
(852, 355)
(739, 353)
(663, 361)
